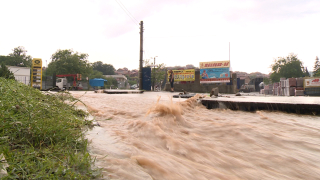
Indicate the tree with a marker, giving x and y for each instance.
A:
(6, 60)
(316, 68)
(158, 73)
(106, 69)
(69, 62)
(132, 82)
(266, 81)
(287, 67)
(20, 58)
(5, 72)
(111, 83)
(306, 73)
(96, 74)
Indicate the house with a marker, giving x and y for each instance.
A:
(122, 71)
(134, 73)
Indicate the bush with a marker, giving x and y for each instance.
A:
(42, 136)
(5, 72)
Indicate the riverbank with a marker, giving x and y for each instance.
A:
(42, 135)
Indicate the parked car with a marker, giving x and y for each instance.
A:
(135, 86)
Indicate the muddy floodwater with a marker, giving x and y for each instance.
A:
(151, 136)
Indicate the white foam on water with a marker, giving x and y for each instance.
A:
(152, 136)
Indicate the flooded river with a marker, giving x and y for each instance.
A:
(151, 136)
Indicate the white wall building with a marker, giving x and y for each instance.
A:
(21, 74)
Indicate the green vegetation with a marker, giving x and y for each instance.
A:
(69, 62)
(18, 57)
(105, 69)
(288, 67)
(266, 81)
(5, 72)
(158, 73)
(316, 68)
(96, 74)
(6, 60)
(42, 136)
(111, 82)
(132, 82)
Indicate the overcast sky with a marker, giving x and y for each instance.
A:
(178, 32)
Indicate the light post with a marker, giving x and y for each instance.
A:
(154, 71)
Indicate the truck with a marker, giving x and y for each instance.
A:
(247, 88)
(62, 82)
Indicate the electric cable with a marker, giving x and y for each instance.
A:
(127, 12)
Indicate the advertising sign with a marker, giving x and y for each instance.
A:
(183, 75)
(36, 73)
(312, 82)
(214, 72)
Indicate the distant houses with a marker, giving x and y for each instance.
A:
(126, 72)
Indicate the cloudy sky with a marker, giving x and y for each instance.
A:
(178, 32)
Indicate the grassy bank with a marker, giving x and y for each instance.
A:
(42, 136)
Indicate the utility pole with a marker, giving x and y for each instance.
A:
(141, 55)
(229, 51)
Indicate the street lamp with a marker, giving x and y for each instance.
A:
(154, 71)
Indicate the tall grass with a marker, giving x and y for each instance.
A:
(42, 136)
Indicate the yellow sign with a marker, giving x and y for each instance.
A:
(36, 74)
(214, 64)
(183, 75)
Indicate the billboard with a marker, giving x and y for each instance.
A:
(312, 82)
(36, 73)
(183, 75)
(215, 72)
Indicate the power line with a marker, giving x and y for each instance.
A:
(127, 12)
(197, 36)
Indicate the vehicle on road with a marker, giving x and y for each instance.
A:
(135, 86)
(62, 82)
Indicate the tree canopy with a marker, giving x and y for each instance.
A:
(7, 60)
(69, 62)
(18, 57)
(316, 68)
(111, 83)
(5, 72)
(287, 67)
(106, 69)
(158, 73)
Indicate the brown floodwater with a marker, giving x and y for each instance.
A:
(152, 136)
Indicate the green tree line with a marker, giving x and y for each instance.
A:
(62, 62)
(290, 67)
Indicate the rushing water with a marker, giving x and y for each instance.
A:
(144, 137)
